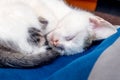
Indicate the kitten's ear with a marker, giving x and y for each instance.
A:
(101, 28)
(44, 22)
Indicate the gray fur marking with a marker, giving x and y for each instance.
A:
(11, 57)
(34, 36)
(19, 60)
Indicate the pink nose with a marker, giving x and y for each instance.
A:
(54, 41)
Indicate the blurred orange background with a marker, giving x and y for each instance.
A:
(84, 4)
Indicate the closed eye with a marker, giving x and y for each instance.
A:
(69, 38)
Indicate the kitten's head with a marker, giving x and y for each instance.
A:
(77, 31)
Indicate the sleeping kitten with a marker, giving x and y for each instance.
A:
(19, 45)
(83, 23)
(76, 22)
(22, 41)
(20, 29)
(77, 29)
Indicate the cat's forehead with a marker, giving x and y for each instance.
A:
(73, 22)
(71, 28)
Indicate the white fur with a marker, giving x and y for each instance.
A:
(15, 20)
(53, 11)
(37, 7)
(76, 23)
(16, 16)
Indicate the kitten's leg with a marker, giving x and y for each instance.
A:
(19, 60)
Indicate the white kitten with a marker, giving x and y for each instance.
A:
(77, 29)
(22, 35)
(22, 41)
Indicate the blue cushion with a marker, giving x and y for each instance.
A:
(75, 67)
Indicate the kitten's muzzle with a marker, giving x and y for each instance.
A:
(56, 43)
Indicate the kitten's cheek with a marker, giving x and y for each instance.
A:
(49, 37)
(49, 40)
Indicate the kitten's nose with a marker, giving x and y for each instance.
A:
(54, 41)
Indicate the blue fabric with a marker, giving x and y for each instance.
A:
(80, 68)
(76, 67)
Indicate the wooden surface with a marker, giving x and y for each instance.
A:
(84, 4)
(115, 20)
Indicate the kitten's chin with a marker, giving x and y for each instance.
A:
(59, 49)
(73, 52)
(69, 52)
(66, 50)
(62, 52)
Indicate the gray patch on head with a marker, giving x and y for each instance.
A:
(35, 37)
(44, 22)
